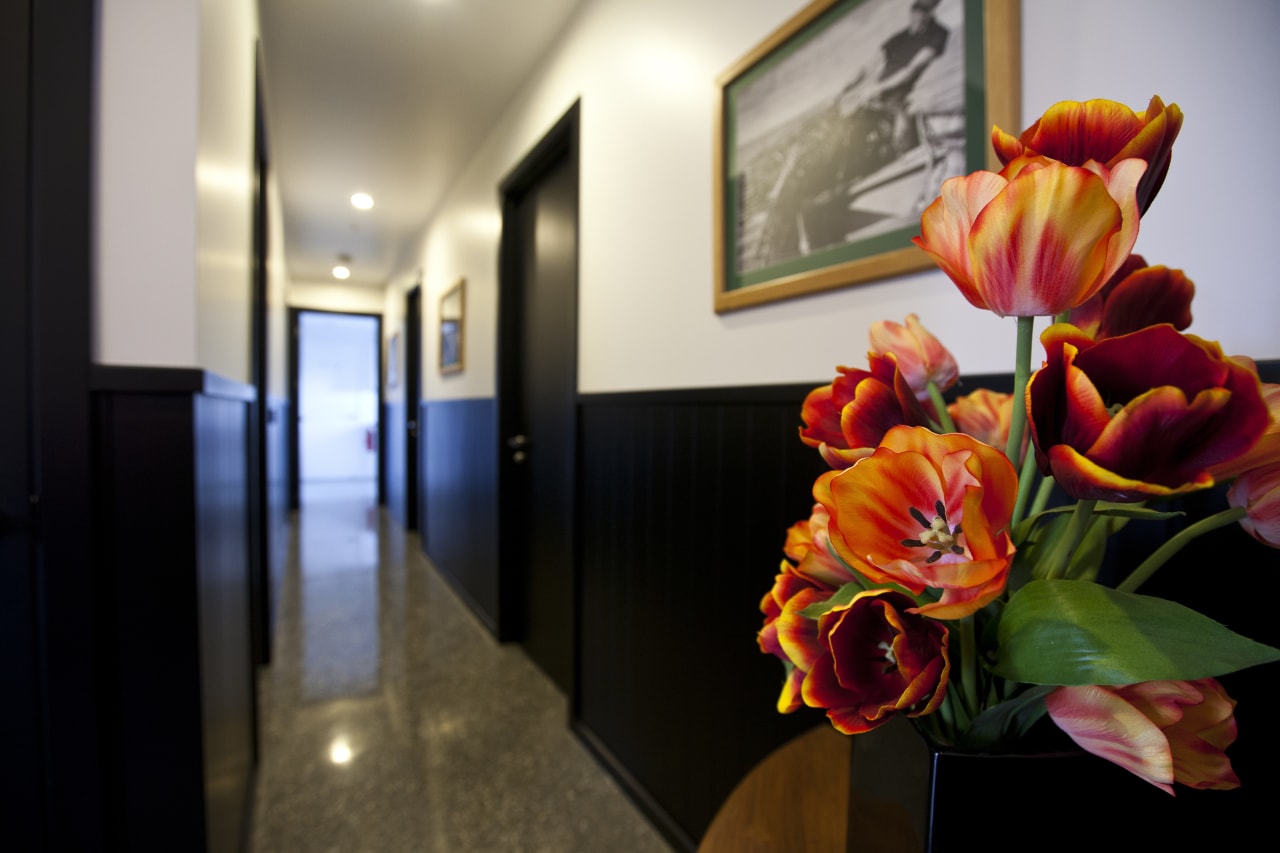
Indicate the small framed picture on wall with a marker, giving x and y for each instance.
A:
(452, 312)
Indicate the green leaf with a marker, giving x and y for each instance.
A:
(1107, 510)
(1008, 721)
(841, 597)
(1077, 632)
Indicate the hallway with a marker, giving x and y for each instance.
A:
(392, 722)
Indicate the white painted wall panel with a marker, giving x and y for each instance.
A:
(645, 73)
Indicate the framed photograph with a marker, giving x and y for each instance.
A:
(453, 305)
(835, 133)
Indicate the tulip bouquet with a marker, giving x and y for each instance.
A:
(949, 571)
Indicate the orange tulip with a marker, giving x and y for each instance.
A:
(926, 512)
(1076, 132)
(787, 634)
(984, 414)
(806, 546)
(846, 419)
(920, 356)
(1036, 239)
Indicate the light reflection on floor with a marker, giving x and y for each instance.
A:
(391, 720)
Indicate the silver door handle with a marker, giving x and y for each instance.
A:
(517, 441)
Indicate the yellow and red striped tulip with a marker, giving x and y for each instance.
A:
(1037, 238)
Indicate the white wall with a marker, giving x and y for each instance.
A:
(329, 296)
(277, 290)
(174, 179)
(224, 186)
(145, 194)
(645, 73)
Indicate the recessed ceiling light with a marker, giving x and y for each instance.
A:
(363, 201)
(343, 270)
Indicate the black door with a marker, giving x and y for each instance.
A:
(537, 400)
(412, 397)
(56, 783)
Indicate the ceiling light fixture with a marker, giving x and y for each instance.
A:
(362, 201)
(342, 271)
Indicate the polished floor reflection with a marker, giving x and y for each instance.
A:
(392, 722)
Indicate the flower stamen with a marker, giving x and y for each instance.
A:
(938, 533)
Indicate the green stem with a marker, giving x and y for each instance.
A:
(1174, 544)
(1064, 317)
(1042, 496)
(940, 405)
(1025, 476)
(1076, 529)
(969, 666)
(1021, 373)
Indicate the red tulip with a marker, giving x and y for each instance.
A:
(1141, 415)
(1137, 296)
(1075, 132)
(878, 659)
(846, 419)
(1036, 239)
(1266, 450)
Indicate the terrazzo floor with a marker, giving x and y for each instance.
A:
(392, 721)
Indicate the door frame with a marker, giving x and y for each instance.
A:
(412, 406)
(560, 142)
(295, 451)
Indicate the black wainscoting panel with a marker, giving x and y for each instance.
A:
(394, 458)
(460, 499)
(278, 526)
(171, 495)
(228, 700)
(686, 499)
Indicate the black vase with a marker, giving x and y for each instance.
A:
(907, 795)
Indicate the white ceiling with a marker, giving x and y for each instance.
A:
(388, 97)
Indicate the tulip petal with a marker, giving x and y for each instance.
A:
(1075, 132)
(1107, 726)
(1042, 243)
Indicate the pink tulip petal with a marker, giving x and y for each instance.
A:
(1102, 723)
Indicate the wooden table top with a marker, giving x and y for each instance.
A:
(794, 801)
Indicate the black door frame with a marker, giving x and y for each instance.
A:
(560, 142)
(412, 407)
(295, 452)
(259, 526)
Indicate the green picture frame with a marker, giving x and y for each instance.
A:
(835, 132)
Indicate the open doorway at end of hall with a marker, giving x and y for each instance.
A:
(335, 387)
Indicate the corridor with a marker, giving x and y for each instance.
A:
(392, 722)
